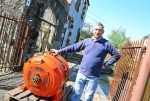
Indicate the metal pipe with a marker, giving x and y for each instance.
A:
(47, 22)
(143, 76)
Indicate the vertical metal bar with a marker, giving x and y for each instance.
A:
(3, 39)
(2, 27)
(23, 45)
(143, 76)
(20, 39)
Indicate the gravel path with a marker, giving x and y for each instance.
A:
(9, 81)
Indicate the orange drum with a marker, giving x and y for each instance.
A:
(46, 75)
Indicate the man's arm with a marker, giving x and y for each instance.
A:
(69, 49)
(114, 53)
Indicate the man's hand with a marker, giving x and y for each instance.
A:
(103, 67)
(54, 52)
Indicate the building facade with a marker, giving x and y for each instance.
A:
(75, 20)
(53, 23)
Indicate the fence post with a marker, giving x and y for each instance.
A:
(142, 80)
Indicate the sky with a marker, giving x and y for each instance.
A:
(131, 15)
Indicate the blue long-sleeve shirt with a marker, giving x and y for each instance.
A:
(94, 55)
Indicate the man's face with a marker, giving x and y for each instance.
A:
(98, 31)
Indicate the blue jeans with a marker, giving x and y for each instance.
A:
(81, 82)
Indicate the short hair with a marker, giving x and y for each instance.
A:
(100, 24)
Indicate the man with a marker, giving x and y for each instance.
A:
(96, 49)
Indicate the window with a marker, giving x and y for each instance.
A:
(68, 41)
(78, 36)
(71, 25)
(77, 5)
(82, 15)
(70, 33)
(83, 11)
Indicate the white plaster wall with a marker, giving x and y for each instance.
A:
(78, 21)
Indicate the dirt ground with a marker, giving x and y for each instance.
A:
(9, 81)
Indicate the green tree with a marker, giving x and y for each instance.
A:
(118, 37)
(85, 34)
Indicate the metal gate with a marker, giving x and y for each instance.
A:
(127, 70)
(13, 36)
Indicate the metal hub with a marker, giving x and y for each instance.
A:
(36, 78)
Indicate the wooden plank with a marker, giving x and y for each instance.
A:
(45, 99)
(20, 95)
(23, 95)
(24, 99)
(15, 91)
(33, 98)
(8, 98)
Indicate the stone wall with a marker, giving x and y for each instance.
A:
(43, 34)
(13, 7)
(34, 13)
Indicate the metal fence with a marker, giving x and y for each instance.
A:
(13, 36)
(127, 70)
